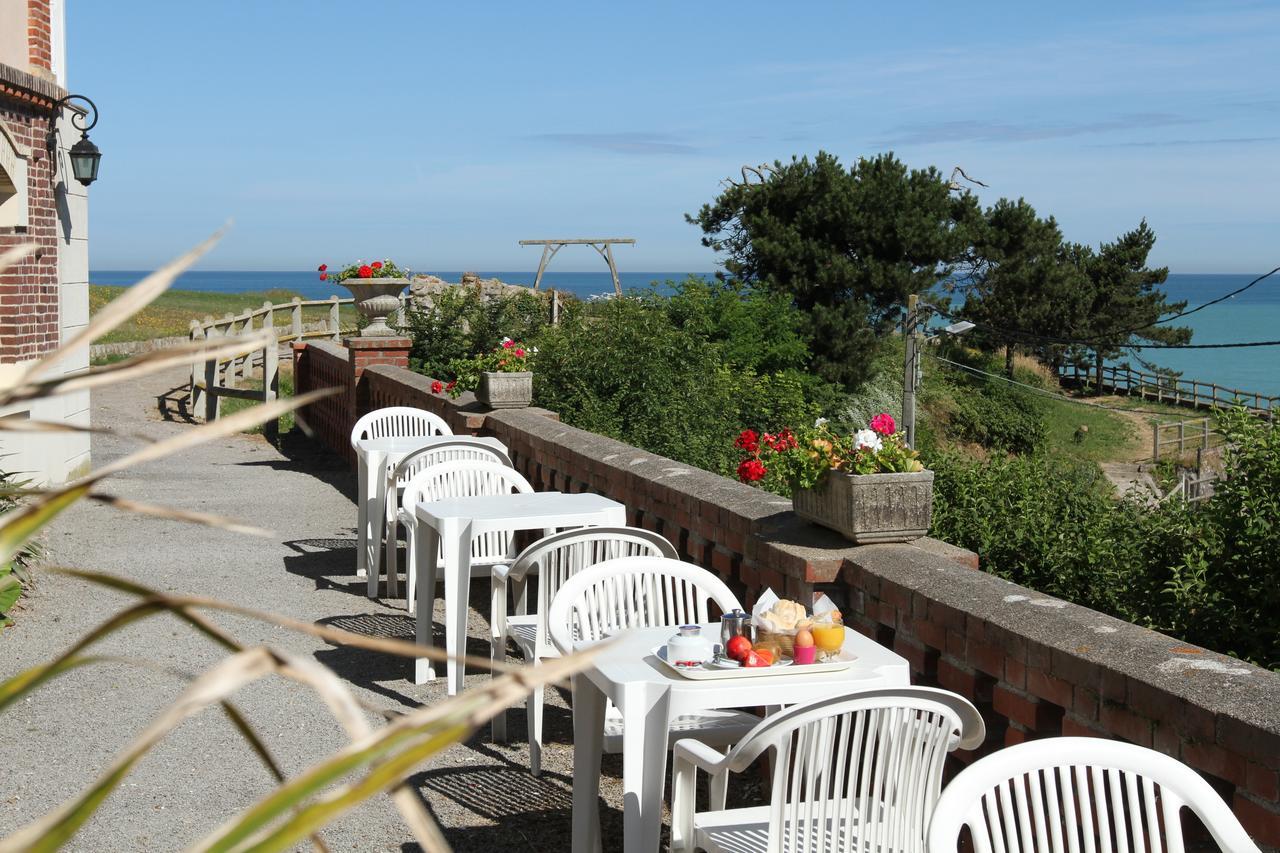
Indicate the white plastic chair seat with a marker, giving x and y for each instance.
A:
(746, 830)
(714, 728)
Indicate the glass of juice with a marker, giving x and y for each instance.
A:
(828, 637)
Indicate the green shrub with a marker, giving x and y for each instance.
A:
(461, 324)
(999, 417)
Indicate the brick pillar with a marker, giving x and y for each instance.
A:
(39, 37)
(368, 352)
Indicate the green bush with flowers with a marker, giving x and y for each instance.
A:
(509, 356)
(790, 459)
(378, 269)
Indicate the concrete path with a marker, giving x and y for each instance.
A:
(64, 735)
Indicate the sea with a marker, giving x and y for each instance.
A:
(1251, 316)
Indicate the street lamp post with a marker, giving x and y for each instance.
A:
(911, 371)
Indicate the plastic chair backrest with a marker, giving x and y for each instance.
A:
(633, 592)
(860, 771)
(1080, 794)
(395, 421)
(562, 555)
(446, 451)
(466, 478)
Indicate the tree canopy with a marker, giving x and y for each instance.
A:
(846, 246)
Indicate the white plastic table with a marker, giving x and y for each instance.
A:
(447, 528)
(372, 457)
(650, 696)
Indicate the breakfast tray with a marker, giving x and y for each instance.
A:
(711, 671)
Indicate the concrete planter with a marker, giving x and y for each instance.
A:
(376, 299)
(505, 390)
(870, 508)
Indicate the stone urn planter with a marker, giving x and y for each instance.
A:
(870, 508)
(376, 300)
(505, 390)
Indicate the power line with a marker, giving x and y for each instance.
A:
(1029, 336)
(1042, 392)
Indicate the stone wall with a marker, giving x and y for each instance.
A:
(1035, 665)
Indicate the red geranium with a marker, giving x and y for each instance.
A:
(751, 470)
(324, 276)
(519, 352)
(883, 424)
(322, 267)
(377, 265)
(748, 440)
(365, 271)
(452, 383)
(437, 387)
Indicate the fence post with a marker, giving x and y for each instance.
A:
(269, 317)
(297, 318)
(1182, 437)
(1155, 440)
(210, 383)
(333, 319)
(271, 384)
(229, 372)
(1204, 442)
(193, 396)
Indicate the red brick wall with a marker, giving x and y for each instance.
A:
(1035, 666)
(39, 37)
(29, 323)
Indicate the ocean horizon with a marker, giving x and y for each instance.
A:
(1251, 316)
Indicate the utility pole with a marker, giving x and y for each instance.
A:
(910, 338)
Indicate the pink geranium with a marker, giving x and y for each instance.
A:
(883, 424)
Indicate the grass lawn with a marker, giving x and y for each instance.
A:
(171, 314)
(231, 405)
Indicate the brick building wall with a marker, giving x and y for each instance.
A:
(1034, 665)
(44, 298)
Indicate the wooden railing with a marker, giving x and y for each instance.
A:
(217, 378)
(1169, 389)
(1180, 436)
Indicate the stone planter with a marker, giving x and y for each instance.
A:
(505, 390)
(376, 300)
(870, 508)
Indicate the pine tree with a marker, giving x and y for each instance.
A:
(1123, 301)
(845, 245)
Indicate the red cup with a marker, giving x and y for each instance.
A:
(804, 654)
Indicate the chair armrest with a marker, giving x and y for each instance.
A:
(697, 753)
(500, 572)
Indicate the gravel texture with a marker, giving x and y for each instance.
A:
(64, 735)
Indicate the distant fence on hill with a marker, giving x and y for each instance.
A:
(1168, 389)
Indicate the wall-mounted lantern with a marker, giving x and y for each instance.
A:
(84, 155)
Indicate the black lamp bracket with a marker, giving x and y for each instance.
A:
(82, 120)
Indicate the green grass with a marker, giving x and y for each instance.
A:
(171, 314)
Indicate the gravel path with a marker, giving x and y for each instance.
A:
(66, 733)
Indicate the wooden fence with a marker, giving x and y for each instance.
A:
(217, 378)
(1169, 389)
(1178, 437)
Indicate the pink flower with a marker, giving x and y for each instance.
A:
(519, 352)
(883, 424)
(437, 387)
(507, 343)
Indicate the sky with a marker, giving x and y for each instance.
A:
(441, 134)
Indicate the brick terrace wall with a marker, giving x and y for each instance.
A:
(1035, 666)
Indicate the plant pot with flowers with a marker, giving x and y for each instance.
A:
(869, 486)
(376, 289)
(501, 378)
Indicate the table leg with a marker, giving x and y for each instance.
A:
(375, 516)
(644, 765)
(362, 513)
(426, 550)
(588, 744)
(456, 537)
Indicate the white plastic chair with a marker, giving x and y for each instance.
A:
(397, 477)
(390, 422)
(461, 478)
(644, 592)
(554, 559)
(395, 421)
(1080, 794)
(857, 772)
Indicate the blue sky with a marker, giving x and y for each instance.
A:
(441, 134)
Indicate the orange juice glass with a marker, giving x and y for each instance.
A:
(828, 637)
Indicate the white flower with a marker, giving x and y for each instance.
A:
(819, 422)
(506, 340)
(868, 440)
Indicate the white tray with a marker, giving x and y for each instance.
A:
(711, 671)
